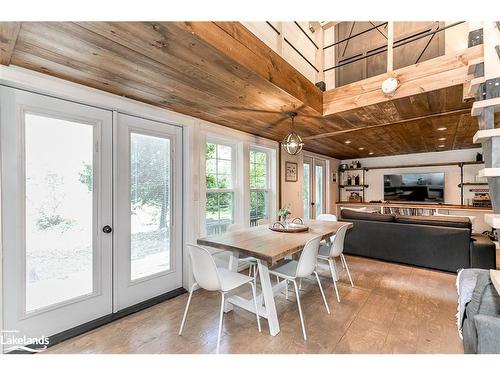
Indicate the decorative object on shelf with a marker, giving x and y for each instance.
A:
(355, 198)
(293, 143)
(349, 180)
(343, 167)
(283, 214)
(358, 164)
(290, 171)
(356, 180)
(479, 157)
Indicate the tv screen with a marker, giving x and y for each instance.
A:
(414, 187)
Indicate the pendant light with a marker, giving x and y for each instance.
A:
(293, 143)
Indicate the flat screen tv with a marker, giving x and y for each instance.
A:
(414, 187)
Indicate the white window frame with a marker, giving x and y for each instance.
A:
(269, 185)
(234, 178)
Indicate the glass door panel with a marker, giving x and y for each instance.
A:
(148, 210)
(150, 203)
(307, 191)
(59, 210)
(319, 187)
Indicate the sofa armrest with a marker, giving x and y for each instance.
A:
(482, 252)
(488, 334)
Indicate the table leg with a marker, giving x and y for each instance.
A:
(232, 266)
(267, 292)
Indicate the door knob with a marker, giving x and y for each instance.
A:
(107, 229)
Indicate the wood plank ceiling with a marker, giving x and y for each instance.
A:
(221, 73)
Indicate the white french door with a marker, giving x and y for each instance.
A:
(148, 259)
(56, 198)
(314, 187)
(91, 212)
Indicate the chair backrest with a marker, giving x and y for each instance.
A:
(327, 217)
(204, 269)
(337, 246)
(233, 227)
(307, 261)
(263, 221)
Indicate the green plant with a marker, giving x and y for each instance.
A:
(284, 211)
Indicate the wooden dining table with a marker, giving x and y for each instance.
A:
(268, 247)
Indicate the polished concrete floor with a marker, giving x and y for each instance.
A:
(391, 309)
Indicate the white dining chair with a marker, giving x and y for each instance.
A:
(327, 217)
(291, 270)
(253, 268)
(209, 277)
(334, 249)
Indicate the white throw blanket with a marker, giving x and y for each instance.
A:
(465, 288)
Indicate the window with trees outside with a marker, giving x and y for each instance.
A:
(259, 186)
(219, 187)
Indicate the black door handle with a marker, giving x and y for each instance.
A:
(312, 203)
(107, 229)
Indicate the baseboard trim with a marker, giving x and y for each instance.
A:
(96, 323)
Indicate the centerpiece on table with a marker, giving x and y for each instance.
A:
(295, 225)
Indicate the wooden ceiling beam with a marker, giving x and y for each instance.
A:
(434, 74)
(9, 32)
(237, 43)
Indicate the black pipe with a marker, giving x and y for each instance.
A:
(355, 35)
(308, 37)
(399, 43)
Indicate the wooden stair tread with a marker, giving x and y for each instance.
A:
(482, 135)
(489, 172)
(478, 106)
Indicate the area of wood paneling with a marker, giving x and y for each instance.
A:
(221, 72)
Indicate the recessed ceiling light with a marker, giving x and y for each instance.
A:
(441, 128)
(347, 142)
(442, 139)
(370, 153)
(441, 146)
(361, 148)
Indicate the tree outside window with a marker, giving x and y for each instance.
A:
(219, 187)
(259, 185)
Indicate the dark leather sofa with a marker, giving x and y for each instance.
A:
(443, 243)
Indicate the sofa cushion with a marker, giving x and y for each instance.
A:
(438, 221)
(370, 216)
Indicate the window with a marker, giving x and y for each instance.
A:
(259, 186)
(219, 187)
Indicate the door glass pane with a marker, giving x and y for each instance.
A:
(319, 204)
(307, 191)
(150, 205)
(59, 199)
(258, 206)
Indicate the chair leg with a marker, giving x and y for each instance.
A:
(286, 290)
(250, 267)
(220, 321)
(254, 294)
(322, 293)
(187, 308)
(344, 261)
(255, 272)
(332, 271)
(300, 309)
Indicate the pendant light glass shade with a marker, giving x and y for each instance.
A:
(293, 143)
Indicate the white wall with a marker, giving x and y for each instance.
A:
(374, 177)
